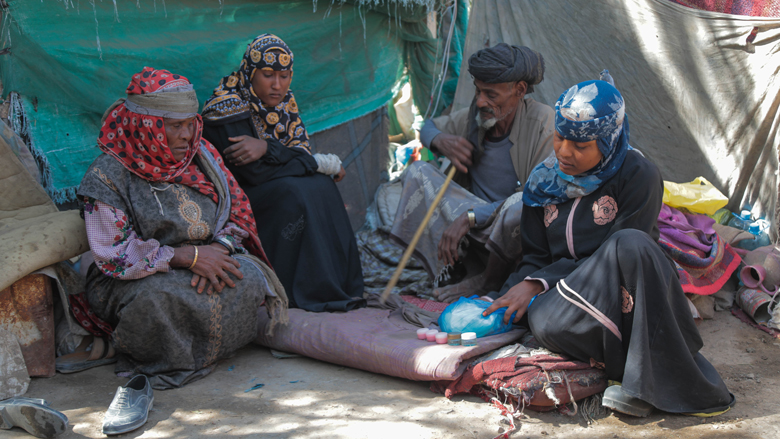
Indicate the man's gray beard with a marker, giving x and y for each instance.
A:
(485, 124)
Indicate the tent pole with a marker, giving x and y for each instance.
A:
(417, 235)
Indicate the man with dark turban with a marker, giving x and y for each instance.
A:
(494, 144)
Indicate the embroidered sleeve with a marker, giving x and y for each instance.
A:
(118, 250)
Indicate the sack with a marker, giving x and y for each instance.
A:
(698, 196)
(465, 315)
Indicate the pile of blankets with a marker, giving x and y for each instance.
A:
(704, 261)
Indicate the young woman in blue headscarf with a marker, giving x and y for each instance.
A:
(593, 281)
(252, 118)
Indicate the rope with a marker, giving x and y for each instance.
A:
(154, 191)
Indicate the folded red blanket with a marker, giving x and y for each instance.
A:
(540, 382)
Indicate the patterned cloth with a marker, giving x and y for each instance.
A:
(379, 257)
(79, 305)
(119, 251)
(421, 181)
(590, 110)
(235, 97)
(754, 8)
(704, 261)
(138, 142)
(162, 327)
(425, 304)
(524, 378)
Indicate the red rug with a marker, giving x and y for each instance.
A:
(427, 305)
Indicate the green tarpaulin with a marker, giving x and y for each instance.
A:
(69, 60)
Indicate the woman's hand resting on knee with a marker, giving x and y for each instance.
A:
(516, 299)
(212, 268)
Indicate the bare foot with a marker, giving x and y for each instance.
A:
(466, 288)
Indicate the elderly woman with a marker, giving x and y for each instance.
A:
(252, 118)
(593, 281)
(179, 272)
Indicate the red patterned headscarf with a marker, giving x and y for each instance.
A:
(133, 132)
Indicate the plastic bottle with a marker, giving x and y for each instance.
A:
(741, 221)
(758, 229)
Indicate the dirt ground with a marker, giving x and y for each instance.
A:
(305, 398)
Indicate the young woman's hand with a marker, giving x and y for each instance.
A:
(516, 299)
(340, 176)
(247, 149)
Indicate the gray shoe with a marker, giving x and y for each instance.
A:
(130, 408)
(37, 419)
(39, 401)
(615, 399)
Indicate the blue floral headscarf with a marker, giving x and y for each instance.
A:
(590, 110)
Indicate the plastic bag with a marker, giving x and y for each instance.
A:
(465, 315)
(698, 196)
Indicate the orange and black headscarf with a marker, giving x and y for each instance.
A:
(234, 98)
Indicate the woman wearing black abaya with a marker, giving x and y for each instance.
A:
(593, 280)
(252, 118)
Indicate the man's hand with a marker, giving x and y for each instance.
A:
(455, 148)
(247, 149)
(516, 299)
(448, 246)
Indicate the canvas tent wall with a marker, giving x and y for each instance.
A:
(67, 61)
(699, 102)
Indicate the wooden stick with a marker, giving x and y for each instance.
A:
(417, 235)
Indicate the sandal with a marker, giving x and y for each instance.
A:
(82, 359)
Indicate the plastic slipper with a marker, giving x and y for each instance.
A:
(101, 353)
(39, 401)
(38, 420)
(716, 412)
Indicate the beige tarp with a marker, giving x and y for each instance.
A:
(33, 233)
(698, 102)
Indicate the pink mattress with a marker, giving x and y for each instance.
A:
(376, 340)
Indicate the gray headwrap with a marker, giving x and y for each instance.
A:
(505, 63)
(176, 103)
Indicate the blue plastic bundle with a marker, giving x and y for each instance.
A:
(465, 315)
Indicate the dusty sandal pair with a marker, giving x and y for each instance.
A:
(32, 415)
(92, 352)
